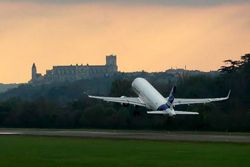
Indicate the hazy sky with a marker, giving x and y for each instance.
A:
(140, 2)
(144, 34)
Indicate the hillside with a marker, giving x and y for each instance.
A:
(6, 87)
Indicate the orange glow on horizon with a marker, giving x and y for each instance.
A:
(150, 38)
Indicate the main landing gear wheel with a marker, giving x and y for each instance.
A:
(136, 112)
(169, 120)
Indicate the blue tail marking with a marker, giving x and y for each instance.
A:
(170, 100)
(171, 97)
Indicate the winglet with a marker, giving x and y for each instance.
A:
(228, 94)
(95, 97)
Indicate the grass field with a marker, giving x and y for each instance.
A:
(20, 151)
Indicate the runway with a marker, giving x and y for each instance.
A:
(133, 135)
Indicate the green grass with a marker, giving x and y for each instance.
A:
(20, 151)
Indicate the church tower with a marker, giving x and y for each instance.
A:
(33, 75)
(111, 60)
(111, 64)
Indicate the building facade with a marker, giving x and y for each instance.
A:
(76, 72)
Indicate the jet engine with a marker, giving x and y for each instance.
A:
(124, 104)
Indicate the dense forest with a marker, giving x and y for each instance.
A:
(67, 105)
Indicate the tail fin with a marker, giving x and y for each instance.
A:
(171, 97)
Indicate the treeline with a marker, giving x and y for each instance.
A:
(80, 113)
(6, 87)
(66, 106)
(60, 92)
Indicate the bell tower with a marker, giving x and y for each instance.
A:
(111, 60)
(34, 72)
(111, 64)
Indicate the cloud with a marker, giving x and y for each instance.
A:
(142, 2)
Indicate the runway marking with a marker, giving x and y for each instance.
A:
(86, 132)
(109, 133)
(235, 137)
(10, 133)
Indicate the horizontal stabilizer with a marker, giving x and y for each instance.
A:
(157, 112)
(175, 112)
(185, 113)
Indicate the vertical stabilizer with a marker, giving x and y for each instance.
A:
(171, 97)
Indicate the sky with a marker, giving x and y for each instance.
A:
(144, 34)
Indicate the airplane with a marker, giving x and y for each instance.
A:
(150, 98)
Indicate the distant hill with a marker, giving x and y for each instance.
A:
(66, 91)
(6, 87)
(61, 92)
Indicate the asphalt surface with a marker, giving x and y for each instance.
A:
(133, 135)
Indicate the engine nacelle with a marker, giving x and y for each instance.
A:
(124, 104)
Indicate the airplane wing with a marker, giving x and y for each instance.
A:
(126, 100)
(182, 101)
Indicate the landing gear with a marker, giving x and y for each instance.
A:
(169, 120)
(136, 112)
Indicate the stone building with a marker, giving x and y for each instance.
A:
(76, 72)
(36, 77)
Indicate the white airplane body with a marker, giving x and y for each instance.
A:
(150, 98)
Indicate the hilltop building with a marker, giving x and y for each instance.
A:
(75, 72)
(37, 77)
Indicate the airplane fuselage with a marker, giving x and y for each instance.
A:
(152, 98)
